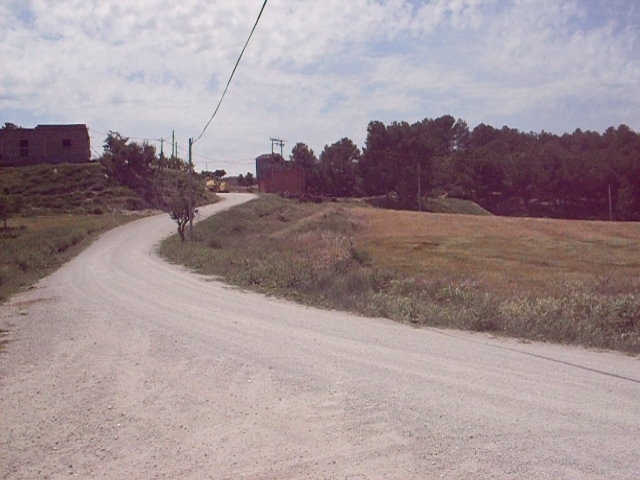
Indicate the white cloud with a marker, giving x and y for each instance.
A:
(316, 71)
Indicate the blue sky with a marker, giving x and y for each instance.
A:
(315, 71)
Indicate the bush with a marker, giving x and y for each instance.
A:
(133, 203)
(214, 243)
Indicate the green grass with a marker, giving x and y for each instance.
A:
(454, 205)
(68, 188)
(33, 247)
(549, 280)
(63, 207)
(439, 204)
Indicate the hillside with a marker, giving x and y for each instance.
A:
(82, 188)
(69, 188)
(556, 280)
(454, 205)
(64, 207)
(441, 204)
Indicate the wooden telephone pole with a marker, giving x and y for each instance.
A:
(190, 192)
(277, 141)
(161, 167)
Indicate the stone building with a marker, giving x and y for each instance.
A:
(44, 144)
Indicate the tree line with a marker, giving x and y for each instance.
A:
(584, 174)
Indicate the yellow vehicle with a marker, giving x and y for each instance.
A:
(217, 185)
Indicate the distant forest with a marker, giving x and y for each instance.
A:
(584, 174)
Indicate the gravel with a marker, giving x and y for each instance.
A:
(122, 366)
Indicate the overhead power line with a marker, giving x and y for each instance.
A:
(232, 73)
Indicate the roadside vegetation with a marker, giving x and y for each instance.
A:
(3, 341)
(573, 282)
(48, 213)
(33, 247)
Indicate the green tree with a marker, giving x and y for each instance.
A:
(176, 163)
(10, 205)
(180, 212)
(461, 136)
(303, 157)
(183, 201)
(401, 157)
(419, 148)
(626, 204)
(338, 168)
(128, 162)
(378, 167)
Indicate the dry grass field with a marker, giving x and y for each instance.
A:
(505, 256)
(550, 280)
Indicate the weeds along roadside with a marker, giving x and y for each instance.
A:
(316, 254)
(33, 247)
(63, 207)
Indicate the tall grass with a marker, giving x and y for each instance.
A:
(3, 340)
(34, 247)
(63, 207)
(461, 275)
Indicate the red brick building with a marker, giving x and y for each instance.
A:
(44, 144)
(275, 175)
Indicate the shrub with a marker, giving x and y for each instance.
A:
(214, 243)
(133, 203)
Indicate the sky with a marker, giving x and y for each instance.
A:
(315, 71)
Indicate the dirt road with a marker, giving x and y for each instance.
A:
(123, 367)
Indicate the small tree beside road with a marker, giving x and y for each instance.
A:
(180, 208)
(180, 212)
(9, 206)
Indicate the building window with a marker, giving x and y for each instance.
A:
(24, 148)
(66, 142)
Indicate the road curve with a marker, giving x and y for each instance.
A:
(122, 366)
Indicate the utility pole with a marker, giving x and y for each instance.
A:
(419, 188)
(190, 193)
(277, 141)
(161, 167)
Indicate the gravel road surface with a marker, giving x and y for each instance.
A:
(121, 366)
